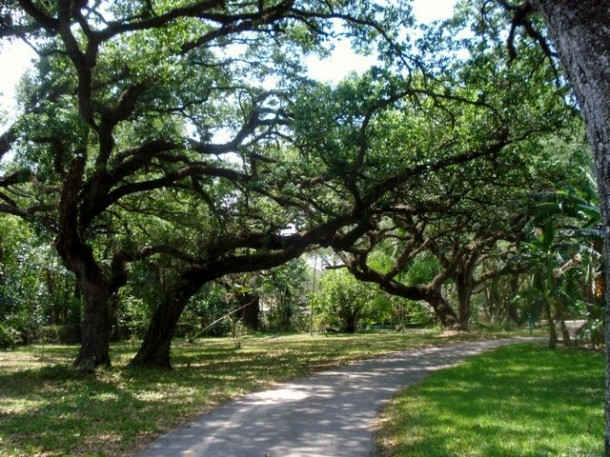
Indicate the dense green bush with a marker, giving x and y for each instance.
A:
(345, 304)
(9, 337)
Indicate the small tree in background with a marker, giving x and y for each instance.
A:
(39, 300)
(284, 293)
(347, 304)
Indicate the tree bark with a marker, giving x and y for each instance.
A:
(249, 313)
(565, 333)
(78, 257)
(349, 326)
(155, 349)
(464, 284)
(511, 310)
(95, 327)
(443, 310)
(428, 293)
(580, 30)
(552, 330)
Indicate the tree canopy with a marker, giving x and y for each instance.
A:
(170, 144)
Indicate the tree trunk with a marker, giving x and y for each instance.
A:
(511, 310)
(249, 312)
(552, 330)
(580, 30)
(284, 311)
(444, 311)
(95, 329)
(96, 322)
(464, 285)
(155, 349)
(565, 333)
(349, 326)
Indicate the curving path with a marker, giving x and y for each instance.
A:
(328, 414)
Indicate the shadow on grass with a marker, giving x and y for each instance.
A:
(59, 410)
(46, 407)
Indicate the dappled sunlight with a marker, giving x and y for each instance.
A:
(56, 402)
(330, 413)
(35, 357)
(12, 406)
(277, 396)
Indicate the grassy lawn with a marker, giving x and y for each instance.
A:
(517, 401)
(47, 409)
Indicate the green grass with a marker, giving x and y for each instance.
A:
(48, 409)
(517, 401)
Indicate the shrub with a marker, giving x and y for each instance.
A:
(9, 337)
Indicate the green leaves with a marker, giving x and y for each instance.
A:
(192, 136)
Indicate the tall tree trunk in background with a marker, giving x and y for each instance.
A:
(580, 30)
(249, 311)
(97, 311)
(511, 310)
(155, 349)
(464, 283)
(97, 321)
(552, 329)
(464, 280)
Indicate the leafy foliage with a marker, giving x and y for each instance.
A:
(38, 297)
(348, 305)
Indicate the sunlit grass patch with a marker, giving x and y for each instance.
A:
(23, 358)
(517, 401)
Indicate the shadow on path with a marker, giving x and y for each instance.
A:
(328, 414)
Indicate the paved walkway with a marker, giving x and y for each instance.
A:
(328, 414)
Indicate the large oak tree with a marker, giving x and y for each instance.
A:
(137, 101)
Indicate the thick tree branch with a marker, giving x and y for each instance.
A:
(501, 140)
(39, 16)
(18, 177)
(7, 139)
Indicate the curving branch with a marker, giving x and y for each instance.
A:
(46, 21)
(521, 17)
